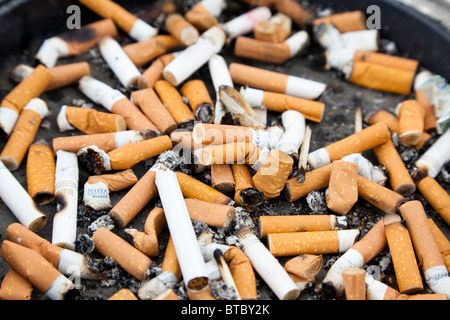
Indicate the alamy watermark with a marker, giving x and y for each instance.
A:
(74, 20)
(374, 20)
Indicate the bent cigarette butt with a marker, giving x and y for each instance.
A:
(222, 178)
(123, 294)
(246, 193)
(200, 17)
(181, 29)
(128, 257)
(354, 283)
(199, 100)
(304, 267)
(407, 272)
(115, 181)
(343, 187)
(153, 108)
(169, 294)
(242, 272)
(38, 271)
(154, 72)
(65, 75)
(411, 120)
(442, 241)
(213, 214)
(15, 287)
(300, 15)
(345, 22)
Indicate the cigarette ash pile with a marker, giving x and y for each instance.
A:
(224, 150)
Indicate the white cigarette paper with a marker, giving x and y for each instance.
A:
(157, 285)
(189, 256)
(245, 23)
(51, 50)
(436, 156)
(100, 92)
(96, 196)
(66, 189)
(294, 132)
(142, 31)
(220, 76)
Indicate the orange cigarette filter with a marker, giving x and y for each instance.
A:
(316, 179)
(200, 17)
(181, 29)
(423, 296)
(411, 118)
(134, 118)
(222, 178)
(272, 52)
(154, 72)
(147, 241)
(270, 31)
(442, 241)
(294, 223)
(379, 196)
(170, 261)
(40, 173)
(143, 52)
(243, 181)
(372, 243)
(15, 287)
(128, 257)
(343, 187)
(123, 294)
(209, 133)
(399, 177)
(91, 121)
(173, 100)
(345, 22)
(153, 108)
(183, 140)
(199, 100)
(386, 60)
(301, 16)
(354, 283)
(116, 181)
(67, 74)
(384, 116)
(213, 214)
(229, 153)
(430, 115)
(304, 267)
(193, 188)
(242, 271)
(436, 196)
(403, 256)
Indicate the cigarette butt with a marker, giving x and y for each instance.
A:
(200, 17)
(379, 196)
(295, 223)
(377, 290)
(173, 100)
(204, 294)
(386, 60)
(246, 193)
(195, 189)
(301, 16)
(143, 52)
(15, 287)
(199, 100)
(399, 177)
(354, 283)
(153, 108)
(403, 256)
(430, 114)
(154, 72)
(67, 74)
(373, 242)
(276, 30)
(384, 116)
(169, 294)
(245, 22)
(225, 272)
(442, 241)
(40, 173)
(222, 178)
(311, 242)
(89, 121)
(423, 296)
(242, 272)
(435, 157)
(358, 142)
(183, 139)
(345, 22)
(23, 133)
(274, 81)
(128, 257)
(304, 267)
(424, 141)
(343, 187)
(181, 29)
(229, 153)
(123, 294)
(316, 179)
(411, 117)
(38, 271)
(280, 102)
(136, 28)
(170, 262)
(213, 214)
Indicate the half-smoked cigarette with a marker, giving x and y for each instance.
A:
(246, 194)
(24, 133)
(41, 173)
(97, 188)
(297, 223)
(89, 121)
(432, 161)
(244, 23)
(436, 196)
(402, 253)
(222, 178)
(193, 57)
(174, 103)
(442, 241)
(182, 232)
(276, 82)
(213, 214)
(181, 29)
(358, 142)
(15, 287)
(64, 230)
(199, 100)
(343, 187)
(276, 30)
(267, 266)
(14, 102)
(280, 102)
(104, 141)
(345, 22)
(354, 283)
(136, 28)
(204, 14)
(301, 16)
(128, 257)
(36, 269)
(311, 242)
(154, 72)
(74, 42)
(123, 294)
(272, 52)
(426, 248)
(119, 62)
(399, 177)
(411, 117)
(19, 201)
(154, 109)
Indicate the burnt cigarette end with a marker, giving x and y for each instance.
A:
(198, 284)
(188, 125)
(301, 174)
(419, 174)
(42, 198)
(148, 134)
(92, 161)
(204, 112)
(251, 197)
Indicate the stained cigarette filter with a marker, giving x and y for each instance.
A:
(411, 120)
(276, 30)
(40, 172)
(181, 29)
(303, 268)
(246, 194)
(436, 196)
(199, 100)
(442, 241)
(242, 272)
(343, 187)
(154, 72)
(213, 214)
(123, 294)
(15, 287)
(204, 14)
(354, 283)
(222, 178)
(437, 155)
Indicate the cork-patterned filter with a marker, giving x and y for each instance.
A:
(197, 94)
(173, 100)
(91, 121)
(442, 241)
(123, 294)
(230, 153)
(354, 283)
(272, 52)
(147, 241)
(384, 116)
(222, 178)
(411, 118)
(293, 223)
(293, 9)
(242, 272)
(154, 72)
(134, 118)
(373, 242)
(200, 17)
(267, 30)
(430, 115)
(143, 52)
(213, 214)
(343, 187)
(15, 287)
(170, 262)
(67, 74)
(181, 29)
(104, 141)
(345, 22)
(304, 267)
(116, 181)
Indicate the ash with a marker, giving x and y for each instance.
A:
(316, 202)
(223, 291)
